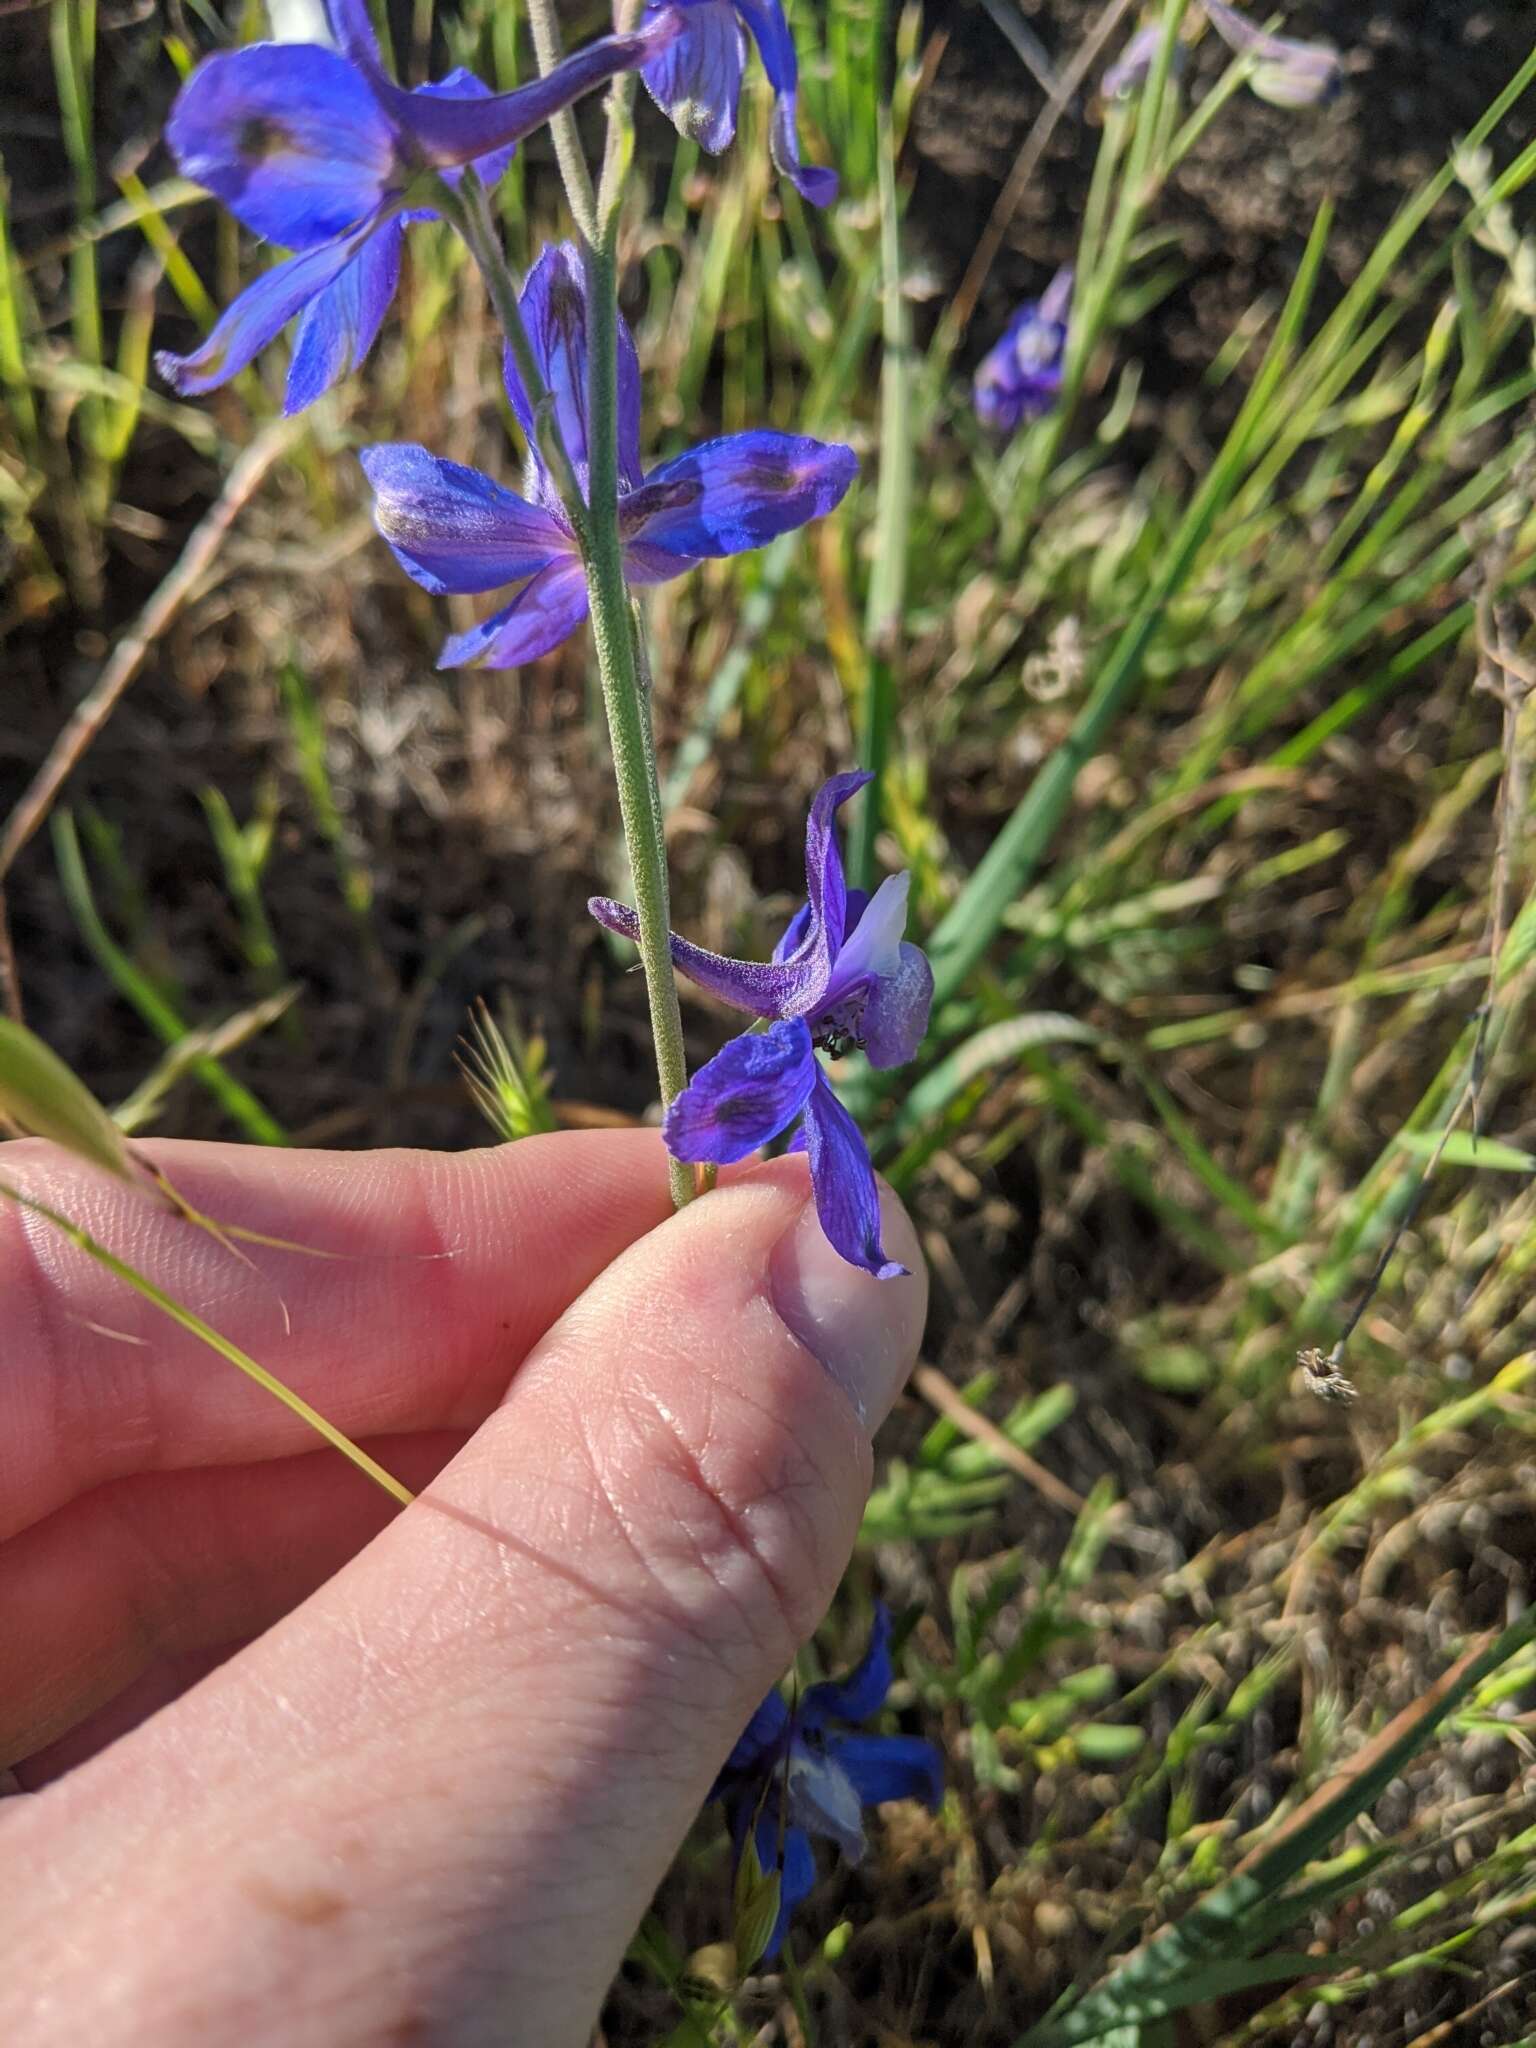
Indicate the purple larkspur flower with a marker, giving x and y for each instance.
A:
(1020, 377)
(454, 530)
(842, 978)
(810, 1770)
(1130, 68)
(1285, 71)
(314, 147)
(696, 82)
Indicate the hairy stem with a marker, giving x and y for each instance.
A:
(614, 632)
(574, 175)
(468, 208)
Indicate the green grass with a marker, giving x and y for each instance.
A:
(1182, 722)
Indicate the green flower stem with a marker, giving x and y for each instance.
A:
(615, 634)
(468, 209)
(574, 175)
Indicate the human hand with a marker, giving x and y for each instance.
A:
(309, 1770)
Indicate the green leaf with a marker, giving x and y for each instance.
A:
(756, 1906)
(40, 1095)
(1462, 1148)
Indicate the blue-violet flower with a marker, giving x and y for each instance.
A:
(696, 82)
(1130, 68)
(841, 977)
(453, 529)
(315, 148)
(1285, 71)
(798, 1772)
(1020, 377)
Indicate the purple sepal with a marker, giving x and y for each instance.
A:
(804, 1772)
(290, 136)
(863, 1691)
(727, 496)
(795, 1861)
(761, 990)
(340, 325)
(1135, 61)
(751, 1090)
(843, 1182)
(776, 47)
(547, 610)
(454, 530)
(1020, 378)
(883, 1767)
(262, 311)
(1286, 71)
(697, 82)
(553, 303)
(441, 130)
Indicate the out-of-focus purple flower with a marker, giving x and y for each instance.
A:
(806, 1771)
(697, 82)
(315, 147)
(454, 530)
(1020, 378)
(1286, 72)
(841, 978)
(1134, 62)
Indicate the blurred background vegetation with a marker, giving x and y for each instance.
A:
(1202, 713)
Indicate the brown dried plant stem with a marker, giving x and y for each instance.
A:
(100, 701)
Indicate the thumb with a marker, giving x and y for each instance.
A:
(434, 1803)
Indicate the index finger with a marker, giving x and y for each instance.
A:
(441, 1270)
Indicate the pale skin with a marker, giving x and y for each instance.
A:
(306, 1770)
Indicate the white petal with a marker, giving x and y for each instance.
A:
(875, 947)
